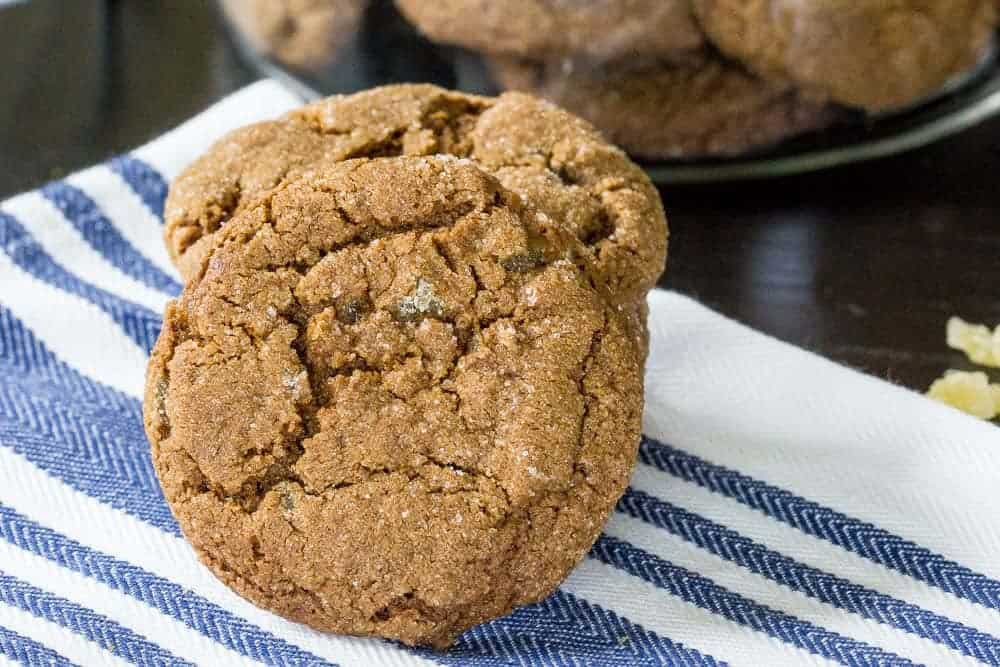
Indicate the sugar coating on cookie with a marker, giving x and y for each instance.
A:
(544, 153)
(703, 107)
(394, 401)
(597, 29)
(872, 54)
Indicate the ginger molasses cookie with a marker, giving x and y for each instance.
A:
(301, 33)
(393, 402)
(660, 111)
(596, 29)
(872, 54)
(590, 186)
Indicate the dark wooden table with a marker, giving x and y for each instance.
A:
(862, 264)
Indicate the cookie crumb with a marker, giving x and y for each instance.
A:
(352, 310)
(287, 500)
(294, 382)
(422, 303)
(523, 262)
(160, 396)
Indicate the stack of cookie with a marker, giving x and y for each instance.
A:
(681, 78)
(402, 389)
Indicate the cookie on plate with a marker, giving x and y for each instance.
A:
(705, 107)
(872, 54)
(548, 156)
(302, 33)
(597, 29)
(392, 402)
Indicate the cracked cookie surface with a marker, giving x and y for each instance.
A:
(873, 54)
(394, 400)
(550, 157)
(706, 106)
(595, 29)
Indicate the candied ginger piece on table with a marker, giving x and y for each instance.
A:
(979, 344)
(969, 392)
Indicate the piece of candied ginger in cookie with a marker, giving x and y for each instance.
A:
(969, 392)
(979, 344)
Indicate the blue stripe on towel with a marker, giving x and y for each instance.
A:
(98, 448)
(139, 323)
(99, 629)
(699, 590)
(732, 546)
(562, 625)
(84, 214)
(28, 651)
(173, 600)
(23, 356)
(860, 537)
(145, 182)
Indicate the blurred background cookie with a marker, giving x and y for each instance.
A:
(672, 79)
(597, 29)
(300, 33)
(872, 54)
(663, 110)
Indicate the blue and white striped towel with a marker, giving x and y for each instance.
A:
(786, 510)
